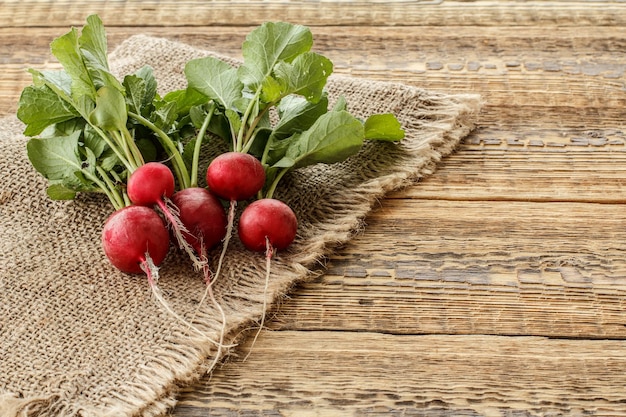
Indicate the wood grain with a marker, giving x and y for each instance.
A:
(474, 267)
(18, 13)
(369, 374)
(494, 287)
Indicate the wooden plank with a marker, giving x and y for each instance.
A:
(497, 164)
(518, 76)
(16, 13)
(366, 374)
(473, 267)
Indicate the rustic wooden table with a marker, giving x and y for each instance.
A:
(496, 286)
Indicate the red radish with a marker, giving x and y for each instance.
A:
(235, 176)
(149, 183)
(153, 184)
(203, 216)
(134, 237)
(267, 221)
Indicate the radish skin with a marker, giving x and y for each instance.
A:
(203, 216)
(235, 176)
(130, 233)
(267, 220)
(150, 183)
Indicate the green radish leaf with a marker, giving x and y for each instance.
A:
(58, 81)
(109, 160)
(268, 44)
(67, 50)
(297, 114)
(56, 158)
(165, 115)
(93, 48)
(234, 119)
(383, 127)
(261, 137)
(93, 141)
(278, 149)
(40, 107)
(140, 91)
(83, 183)
(188, 151)
(85, 105)
(271, 90)
(65, 128)
(135, 91)
(148, 149)
(60, 192)
(197, 115)
(146, 73)
(93, 42)
(306, 75)
(220, 126)
(333, 137)
(185, 100)
(89, 165)
(215, 79)
(110, 113)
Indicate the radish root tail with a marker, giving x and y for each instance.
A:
(269, 254)
(209, 282)
(209, 292)
(220, 344)
(152, 273)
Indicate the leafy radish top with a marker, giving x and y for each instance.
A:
(90, 131)
(280, 71)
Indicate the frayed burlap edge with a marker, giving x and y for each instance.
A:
(453, 118)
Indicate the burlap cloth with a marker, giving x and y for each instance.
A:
(79, 338)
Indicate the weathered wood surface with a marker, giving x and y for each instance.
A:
(495, 287)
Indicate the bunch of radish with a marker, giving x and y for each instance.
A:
(94, 133)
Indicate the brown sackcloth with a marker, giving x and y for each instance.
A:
(79, 338)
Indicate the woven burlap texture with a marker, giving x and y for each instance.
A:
(79, 338)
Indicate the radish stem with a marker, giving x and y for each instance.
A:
(110, 189)
(179, 165)
(270, 191)
(198, 145)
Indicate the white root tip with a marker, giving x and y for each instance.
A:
(269, 253)
(152, 273)
(220, 344)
